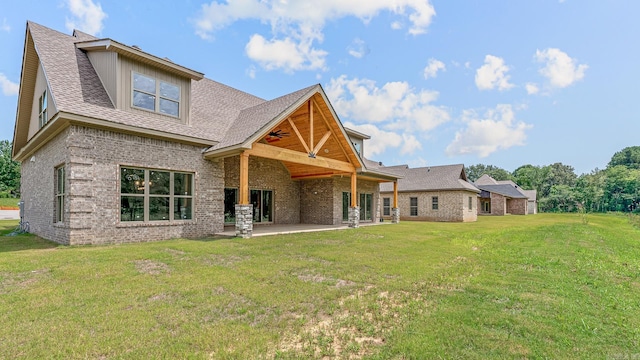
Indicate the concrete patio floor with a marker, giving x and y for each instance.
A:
(277, 229)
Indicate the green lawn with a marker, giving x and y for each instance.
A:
(9, 202)
(543, 286)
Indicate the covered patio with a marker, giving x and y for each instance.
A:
(305, 137)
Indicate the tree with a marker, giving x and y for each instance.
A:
(621, 187)
(556, 174)
(628, 157)
(589, 190)
(9, 170)
(528, 177)
(475, 171)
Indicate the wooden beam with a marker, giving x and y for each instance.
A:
(354, 187)
(297, 157)
(295, 130)
(322, 141)
(310, 124)
(326, 122)
(395, 194)
(244, 178)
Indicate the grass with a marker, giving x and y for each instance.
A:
(543, 286)
(9, 203)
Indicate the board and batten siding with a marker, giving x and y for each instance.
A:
(106, 65)
(41, 85)
(127, 67)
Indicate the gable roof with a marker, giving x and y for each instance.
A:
(221, 117)
(504, 190)
(251, 120)
(432, 178)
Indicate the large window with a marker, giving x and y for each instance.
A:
(386, 206)
(155, 195)
(434, 203)
(413, 206)
(470, 203)
(60, 194)
(156, 95)
(42, 109)
(230, 201)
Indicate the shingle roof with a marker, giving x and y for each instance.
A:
(76, 88)
(446, 177)
(488, 180)
(252, 119)
(503, 189)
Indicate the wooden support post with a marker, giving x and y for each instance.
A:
(244, 179)
(395, 194)
(354, 187)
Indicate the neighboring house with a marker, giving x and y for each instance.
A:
(118, 145)
(435, 193)
(500, 197)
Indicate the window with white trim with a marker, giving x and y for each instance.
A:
(155, 195)
(155, 95)
(413, 206)
(386, 206)
(59, 195)
(42, 109)
(434, 203)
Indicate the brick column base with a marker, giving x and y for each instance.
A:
(244, 221)
(354, 217)
(395, 215)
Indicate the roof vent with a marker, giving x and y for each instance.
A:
(380, 163)
(169, 60)
(136, 47)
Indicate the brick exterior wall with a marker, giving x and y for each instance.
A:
(500, 205)
(453, 206)
(517, 206)
(267, 174)
(92, 160)
(316, 202)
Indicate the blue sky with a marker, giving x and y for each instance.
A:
(434, 82)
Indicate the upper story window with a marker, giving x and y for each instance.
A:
(156, 95)
(42, 109)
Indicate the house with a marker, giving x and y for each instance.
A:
(500, 197)
(435, 193)
(119, 145)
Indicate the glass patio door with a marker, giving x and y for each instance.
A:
(262, 201)
(366, 201)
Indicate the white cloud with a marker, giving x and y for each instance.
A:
(358, 48)
(395, 103)
(286, 54)
(9, 88)
(432, 68)
(87, 16)
(251, 72)
(297, 25)
(395, 115)
(532, 88)
(396, 25)
(493, 74)
(5, 27)
(483, 135)
(560, 69)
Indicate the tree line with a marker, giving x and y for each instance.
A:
(615, 188)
